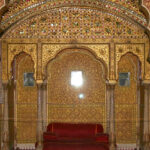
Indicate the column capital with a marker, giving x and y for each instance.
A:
(111, 82)
(39, 83)
(146, 82)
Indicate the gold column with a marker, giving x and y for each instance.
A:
(146, 115)
(138, 142)
(5, 132)
(15, 113)
(108, 107)
(39, 116)
(112, 134)
(44, 107)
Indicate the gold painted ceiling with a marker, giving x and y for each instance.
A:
(16, 5)
(20, 9)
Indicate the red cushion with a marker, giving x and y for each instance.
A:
(49, 136)
(75, 130)
(103, 138)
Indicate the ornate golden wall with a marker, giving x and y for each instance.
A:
(45, 30)
(26, 103)
(126, 101)
(64, 104)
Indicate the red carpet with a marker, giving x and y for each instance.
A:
(77, 146)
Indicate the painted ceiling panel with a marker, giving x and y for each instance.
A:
(17, 5)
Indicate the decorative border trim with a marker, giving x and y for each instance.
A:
(101, 4)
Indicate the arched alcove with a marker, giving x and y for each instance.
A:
(63, 100)
(127, 99)
(25, 100)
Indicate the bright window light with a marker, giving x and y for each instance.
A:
(76, 78)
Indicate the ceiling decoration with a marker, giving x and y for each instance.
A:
(2, 3)
(21, 9)
(75, 23)
(130, 4)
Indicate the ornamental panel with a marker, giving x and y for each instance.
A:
(15, 49)
(26, 102)
(77, 114)
(49, 51)
(64, 102)
(126, 101)
(75, 23)
(136, 49)
(21, 9)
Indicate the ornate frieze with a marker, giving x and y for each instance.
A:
(22, 9)
(75, 23)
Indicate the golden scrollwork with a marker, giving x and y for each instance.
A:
(49, 51)
(15, 49)
(136, 49)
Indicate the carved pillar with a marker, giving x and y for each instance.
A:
(39, 116)
(108, 107)
(112, 116)
(44, 106)
(5, 132)
(138, 142)
(146, 115)
(15, 114)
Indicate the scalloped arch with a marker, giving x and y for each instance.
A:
(81, 49)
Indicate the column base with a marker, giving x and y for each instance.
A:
(146, 145)
(39, 147)
(112, 147)
(5, 146)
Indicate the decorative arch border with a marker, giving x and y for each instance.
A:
(136, 49)
(145, 10)
(10, 51)
(102, 5)
(19, 57)
(51, 53)
(35, 14)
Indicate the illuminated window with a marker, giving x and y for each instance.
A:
(76, 78)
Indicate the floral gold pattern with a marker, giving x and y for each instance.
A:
(26, 103)
(15, 49)
(64, 104)
(126, 102)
